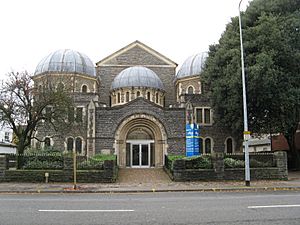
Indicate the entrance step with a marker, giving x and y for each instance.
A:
(143, 176)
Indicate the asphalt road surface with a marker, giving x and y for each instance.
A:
(276, 208)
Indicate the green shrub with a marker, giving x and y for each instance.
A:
(44, 151)
(174, 157)
(37, 165)
(47, 158)
(257, 164)
(199, 162)
(193, 162)
(233, 163)
(101, 157)
(90, 165)
(95, 162)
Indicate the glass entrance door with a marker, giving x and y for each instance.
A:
(144, 155)
(135, 155)
(140, 155)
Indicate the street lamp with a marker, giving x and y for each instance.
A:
(246, 132)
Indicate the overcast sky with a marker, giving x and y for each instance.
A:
(31, 29)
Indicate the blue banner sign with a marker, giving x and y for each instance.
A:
(192, 139)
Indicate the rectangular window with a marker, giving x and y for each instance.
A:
(79, 114)
(207, 116)
(199, 115)
(203, 115)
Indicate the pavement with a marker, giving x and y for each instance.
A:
(153, 180)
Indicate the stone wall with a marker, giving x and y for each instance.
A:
(180, 171)
(107, 175)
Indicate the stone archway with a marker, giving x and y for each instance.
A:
(150, 126)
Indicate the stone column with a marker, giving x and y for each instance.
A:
(281, 164)
(218, 163)
(132, 95)
(179, 170)
(91, 131)
(68, 169)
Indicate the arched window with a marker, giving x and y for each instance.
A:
(84, 89)
(148, 95)
(78, 145)
(229, 145)
(70, 144)
(138, 94)
(47, 142)
(119, 97)
(207, 145)
(127, 96)
(156, 97)
(201, 146)
(191, 90)
(40, 88)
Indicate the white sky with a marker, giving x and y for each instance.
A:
(31, 29)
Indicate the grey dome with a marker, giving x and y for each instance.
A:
(193, 65)
(137, 76)
(66, 61)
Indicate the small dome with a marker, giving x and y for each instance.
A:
(66, 61)
(137, 76)
(193, 65)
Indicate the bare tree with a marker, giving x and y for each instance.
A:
(23, 107)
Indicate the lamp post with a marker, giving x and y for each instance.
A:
(246, 132)
(74, 170)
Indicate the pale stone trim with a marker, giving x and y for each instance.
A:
(187, 90)
(142, 120)
(87, 88)
(203, 116)
(233, 144)
(133, 95)
(211, 143)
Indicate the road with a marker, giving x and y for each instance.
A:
(151, 208)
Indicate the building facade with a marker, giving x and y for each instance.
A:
(132, 104)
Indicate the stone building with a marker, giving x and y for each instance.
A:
(132, 104)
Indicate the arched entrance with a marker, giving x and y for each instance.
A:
(140, 142)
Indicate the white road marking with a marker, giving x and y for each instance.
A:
(86, 210)
(272, 206)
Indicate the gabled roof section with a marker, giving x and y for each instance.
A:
(134, 54)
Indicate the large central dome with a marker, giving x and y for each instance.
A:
(66, 61)
(137, 76)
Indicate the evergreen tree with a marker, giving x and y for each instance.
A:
(271, 40)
